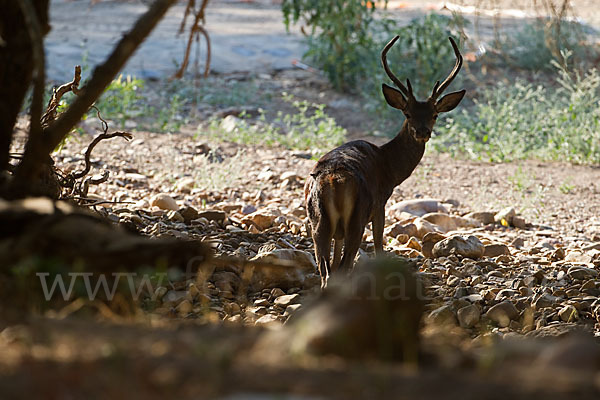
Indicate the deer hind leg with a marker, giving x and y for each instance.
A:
(337, 253)
(352, 240)
(322, 235)
(378, 221)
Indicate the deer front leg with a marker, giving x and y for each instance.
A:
(377, 223)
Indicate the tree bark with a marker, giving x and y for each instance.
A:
(16, 66)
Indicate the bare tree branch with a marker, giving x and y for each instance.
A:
(73, 86)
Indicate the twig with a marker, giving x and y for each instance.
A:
(57, 94)
(195, 30)
(125, 135)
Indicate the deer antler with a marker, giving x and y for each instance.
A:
(407, 92)
(439, 89)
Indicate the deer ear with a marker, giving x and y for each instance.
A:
(393, 97)
(449, 101)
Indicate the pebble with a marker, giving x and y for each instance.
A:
(164, 202)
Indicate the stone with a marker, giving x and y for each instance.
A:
(248, 209)
(468, 316)
(267, 319)
(413, 243)
(287, 299)
(230, 123)
(581, 273)
(188, 213)
(164, 202)
(418, 207)
(185, 184)
(262, 303)
(495, 250)
(364, 316)
(465, 246)
(290, 268)
(160, 292)
(291, 309)
(505, 215)
(447, 222)
(174, 296)
(428, 241)
(276, 292)
(184, 308)
(212, 215)
(398, 229)
(519, 222)
(175, 216)
(424, 227)
(502, 313)
(568, 313)
(260, 219)
(443, 316)
(485, 217)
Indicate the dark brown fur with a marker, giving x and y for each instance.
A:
(350, 185)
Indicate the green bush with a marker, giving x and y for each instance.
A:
(536, 44)
(522, 120)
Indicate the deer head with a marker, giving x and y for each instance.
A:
(421, 115)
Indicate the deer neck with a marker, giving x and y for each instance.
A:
(402, 154)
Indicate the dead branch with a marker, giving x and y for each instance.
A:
(35, 153)
(195, 31)
(57, 94)
(98, 139)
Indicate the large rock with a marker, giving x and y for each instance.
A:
(261, 219)
(465, 246)
(164, 202)
(468, 316)
(399, 228)
(424, 227)
(503, 313)
(418, 207)
(428, 241)
(449, 222)
(443, 316)
(283, 268)
(376, 314)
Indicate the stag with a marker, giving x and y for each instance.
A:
(350, 185)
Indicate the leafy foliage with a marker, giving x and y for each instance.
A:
(310, 128)
(535, 45)
(522, 120)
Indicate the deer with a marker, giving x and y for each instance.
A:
(350, 185)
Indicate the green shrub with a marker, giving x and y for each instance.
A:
(522, 120)
(536, 44)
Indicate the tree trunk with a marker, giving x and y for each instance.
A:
(16, 66)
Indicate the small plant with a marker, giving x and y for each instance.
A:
(566, 187)
(309, 128)
(122, 99)
(521, 120)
